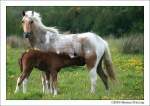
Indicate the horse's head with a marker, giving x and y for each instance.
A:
(27, 23)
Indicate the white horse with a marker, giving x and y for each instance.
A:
(87, 45)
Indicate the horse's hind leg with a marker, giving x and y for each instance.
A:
(93, 77)
(102, 75)
(91, 63)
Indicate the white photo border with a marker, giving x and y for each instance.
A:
(4, 4)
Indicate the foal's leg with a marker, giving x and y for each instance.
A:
(17, 85)
(20, 80)
(54, 82)
(25, 83)
(43, 81)
(47, 81)
(51, 88)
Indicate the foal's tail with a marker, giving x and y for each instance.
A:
(108, 63)
(20, 61)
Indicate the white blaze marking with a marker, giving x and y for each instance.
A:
(57, 51)
(25, 82)
(71, 55)
(47, 90)
(17, 87)
(43, 83)
(51, 88)
(88, 51)
(55, 91)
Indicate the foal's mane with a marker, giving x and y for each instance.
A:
(36, 17)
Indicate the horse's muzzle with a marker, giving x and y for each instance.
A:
(26, 34)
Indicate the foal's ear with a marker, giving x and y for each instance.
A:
(23, 13)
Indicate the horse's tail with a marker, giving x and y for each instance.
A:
(108, 63)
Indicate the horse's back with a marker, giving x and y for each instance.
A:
(94, 41)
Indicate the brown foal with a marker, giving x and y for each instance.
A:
(49, 62)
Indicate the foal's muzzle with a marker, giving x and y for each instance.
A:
(26, 34)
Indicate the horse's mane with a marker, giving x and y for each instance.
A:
(36, 17)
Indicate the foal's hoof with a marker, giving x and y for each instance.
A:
(55, 94)
(16, 91)
(51, 91)
(93, 91)
(107, 92)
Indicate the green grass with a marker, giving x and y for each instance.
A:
(74, 82)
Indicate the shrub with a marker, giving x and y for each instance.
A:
(133, 44)
(17, 42)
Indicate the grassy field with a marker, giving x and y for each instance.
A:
(74, 82)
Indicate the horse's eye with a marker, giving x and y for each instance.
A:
(31, 22)
(22, 21)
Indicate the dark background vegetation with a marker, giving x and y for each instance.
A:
(103, 20)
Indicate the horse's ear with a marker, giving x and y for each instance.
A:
(23, 13)
(32, 13)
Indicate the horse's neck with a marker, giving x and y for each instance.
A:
(38, 31)
(39, 39)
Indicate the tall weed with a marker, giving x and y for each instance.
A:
(17, 42)
(133, 44)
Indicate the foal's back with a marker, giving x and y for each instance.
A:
(46, 60)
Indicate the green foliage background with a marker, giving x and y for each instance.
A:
(103, 20)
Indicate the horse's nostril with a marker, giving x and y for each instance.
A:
(27, 34)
